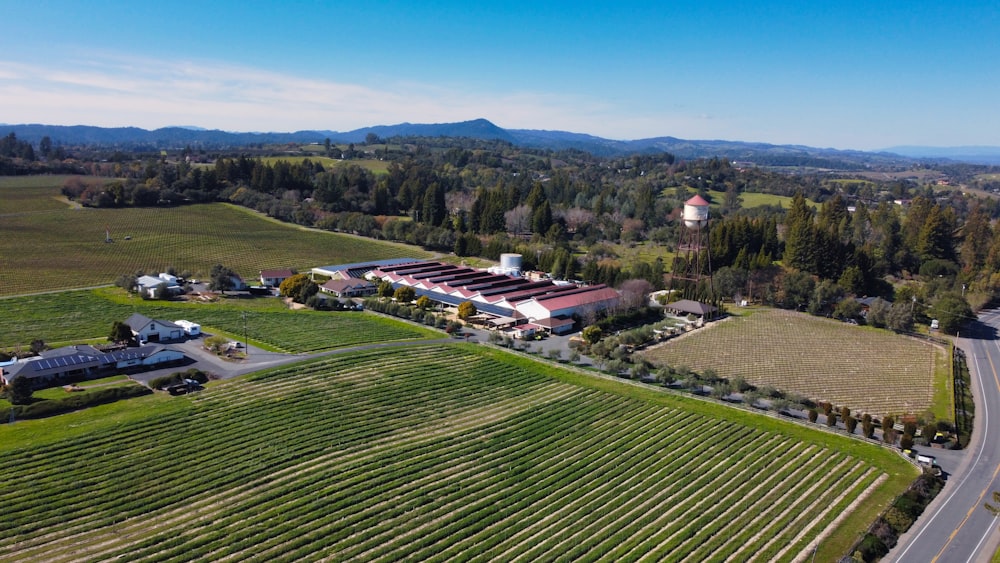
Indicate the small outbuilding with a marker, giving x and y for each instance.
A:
(689, 307)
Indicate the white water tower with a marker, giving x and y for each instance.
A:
(693, 262)
(696, 213)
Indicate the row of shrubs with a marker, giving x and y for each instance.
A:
(885, 531)
(74, 401)
(737, 389)
(410, 313)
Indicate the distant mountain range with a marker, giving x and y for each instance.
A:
(758, 153)
(971, 154)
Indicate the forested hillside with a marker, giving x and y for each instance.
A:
(805, 241)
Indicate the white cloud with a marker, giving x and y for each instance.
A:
(114, 90)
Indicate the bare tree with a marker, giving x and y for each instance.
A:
(635, 293)
(576, 217)
(518, 220)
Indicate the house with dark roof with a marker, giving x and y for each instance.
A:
(689, 307)
(72, 362)
(357, 269)
(145, 329)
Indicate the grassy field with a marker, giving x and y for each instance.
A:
(75, 316)
(27, 194)
(54, 247)
(433, 453)
(645, 251)
(751, 200)
(374, 165)
(866, 369)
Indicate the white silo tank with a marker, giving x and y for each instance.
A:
(695, 212)
(510, 262)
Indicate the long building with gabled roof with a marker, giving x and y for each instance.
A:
(498, 294)
(84, 360)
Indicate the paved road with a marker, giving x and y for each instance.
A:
(956, 528)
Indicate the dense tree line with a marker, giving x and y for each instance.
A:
(482, 198)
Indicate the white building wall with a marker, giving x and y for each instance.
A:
(533, 310)
(163, 356)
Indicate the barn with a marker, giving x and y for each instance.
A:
(145, 329)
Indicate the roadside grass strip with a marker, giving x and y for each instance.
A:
(429, 452)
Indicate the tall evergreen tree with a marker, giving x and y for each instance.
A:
(800, 236)
(935, 237)
(977, 236)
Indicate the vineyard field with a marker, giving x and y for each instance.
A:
(50, 245)
(866, 369)
(28, 194)
(438, 453)
(73, 316)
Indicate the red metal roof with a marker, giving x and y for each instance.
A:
(697, 201)
(595, 296)
(276, 273)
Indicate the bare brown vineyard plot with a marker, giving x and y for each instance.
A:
(866, 369)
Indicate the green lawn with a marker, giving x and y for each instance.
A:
(374, 165)
(751, 199)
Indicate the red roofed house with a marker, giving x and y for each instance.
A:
(273, 278)
(349, 288)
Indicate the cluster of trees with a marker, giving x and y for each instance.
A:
(480, 198)
(19, 391)
(299, 288)
(421, 311)
(11, 147)
(19, 157)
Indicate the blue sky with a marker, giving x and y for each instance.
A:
(861, 75)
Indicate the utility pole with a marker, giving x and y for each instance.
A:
(246, 342)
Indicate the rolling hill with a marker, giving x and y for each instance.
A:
(765, 154)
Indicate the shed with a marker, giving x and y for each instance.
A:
(689, 307)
